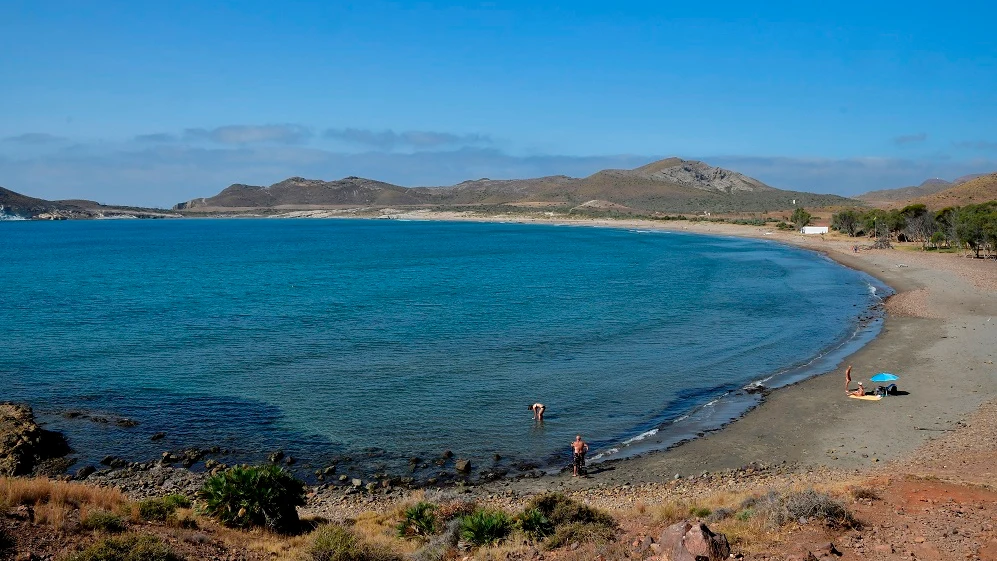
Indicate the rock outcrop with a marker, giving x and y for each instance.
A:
(692, 541)
(23, 444)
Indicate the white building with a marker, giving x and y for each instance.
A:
(813, 230)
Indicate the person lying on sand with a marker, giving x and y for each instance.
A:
(538, 411)
(578, 448)
(860, 391)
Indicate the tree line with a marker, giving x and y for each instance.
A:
(972, 227)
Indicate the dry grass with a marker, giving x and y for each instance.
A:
(41, 491)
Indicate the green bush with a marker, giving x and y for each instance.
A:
(127, 548)
(103, 521)
(335, 543)
(485, 527)
(572, 521)
(559, 509)
(578, 532)
(419, 521)
(244, 497)
(162, 508)
(534, 524)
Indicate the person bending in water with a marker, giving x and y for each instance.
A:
(578, 448)
(538, 411)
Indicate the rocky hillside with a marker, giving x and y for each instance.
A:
(15, 205)
(670, 185)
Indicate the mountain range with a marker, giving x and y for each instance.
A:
(670, 185)
(902, 194)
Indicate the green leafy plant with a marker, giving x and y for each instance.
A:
(534, 524)
(249, 496)
(127, 548)
(485, 527)
(103, 521)
(419, 521)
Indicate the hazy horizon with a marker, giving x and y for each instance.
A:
(151, 105)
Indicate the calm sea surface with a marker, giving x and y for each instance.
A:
(384, 340)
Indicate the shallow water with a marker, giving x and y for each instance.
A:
(388, 340)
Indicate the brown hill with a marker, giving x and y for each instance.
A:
(13, 204)
(670, 185)
(906, 194)
(974, 191)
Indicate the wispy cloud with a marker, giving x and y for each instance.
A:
(389, 139)
(910, 139)
(35, 138)
(983, 145)
(251, 134)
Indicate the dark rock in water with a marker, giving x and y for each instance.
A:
(329, 470)
(463, 466)
(187, 462)
(84, 472)
(290, 460)
(214, 450)
(114, 462)
(497, 457)
(158, 436)
(101, 420)
(276, 456)
(414, 460)
(126, 423)
(24, 444)
(73, 414)
(447, 454)
(692, 541)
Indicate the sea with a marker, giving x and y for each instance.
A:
(380, 345)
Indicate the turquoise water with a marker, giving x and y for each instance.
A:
(384, 340)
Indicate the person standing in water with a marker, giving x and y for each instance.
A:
(538, 411)
(579, 447)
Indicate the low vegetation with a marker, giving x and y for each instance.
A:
(129, 547)
(257, 496)
(419, 521)
(336, 543)
(161, 509)
(102, 521)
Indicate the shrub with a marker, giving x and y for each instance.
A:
(559, 509)
(811, 505)
(578, 532)
(535, 525)
(244, 497)
(419, 520)
(127, 548)
(485, 527)
(162, 508)
(103, 521)
(335, 543)
(573, 521)
(440, 545)
(860, 493)
(807, 505)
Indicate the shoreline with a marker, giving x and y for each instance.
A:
(803, 426)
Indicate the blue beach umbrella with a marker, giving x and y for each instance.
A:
(884, 377)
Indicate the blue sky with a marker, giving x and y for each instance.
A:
(151, 103)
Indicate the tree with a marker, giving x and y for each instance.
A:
(846, 221)
(920, 227)
(800, 218)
